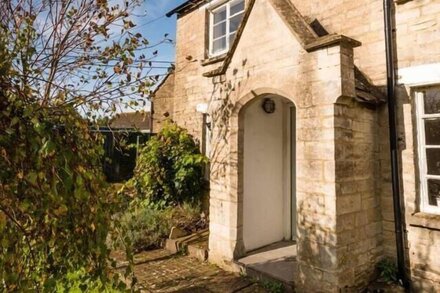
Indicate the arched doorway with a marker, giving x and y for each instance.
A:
(269, 205)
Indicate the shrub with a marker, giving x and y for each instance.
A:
(55, 211)
(81, 281)
(145, 227)
(169, 170)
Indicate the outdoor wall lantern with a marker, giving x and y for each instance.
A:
(268, 105)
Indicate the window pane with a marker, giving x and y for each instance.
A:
(235, 22)
(432, 131)
(237, 7)
(219, 45)
(433, 191)
(219, 15)
(231, 39)
(432, 101)
(219, 30)
(433, 161)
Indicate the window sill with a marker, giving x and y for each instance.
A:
(430, 221)
(214, 59)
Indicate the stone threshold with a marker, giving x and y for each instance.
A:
(272, 263)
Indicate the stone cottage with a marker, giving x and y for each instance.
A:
(288, 99)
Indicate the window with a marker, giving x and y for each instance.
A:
(428, 124)
(224, 22)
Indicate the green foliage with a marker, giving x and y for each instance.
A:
(59, 59)
(387, 270)
(79, 281)
(170, 169)
(55, 211)
(146, 227)
(273, 286)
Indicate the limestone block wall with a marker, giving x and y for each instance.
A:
(384, 182)
(418, 24)
(422, 230)
(316, 200)
(269, 60)
(313, 82)
(190, 88)
(163, 102)
(359, 221)
(418, 42)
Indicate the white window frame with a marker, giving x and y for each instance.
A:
(423, 168)
(228, 33)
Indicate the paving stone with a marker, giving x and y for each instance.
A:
(159, 271)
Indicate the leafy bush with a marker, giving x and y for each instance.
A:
(80, 281)
(169, 170)
(55, 212)
(145, 227)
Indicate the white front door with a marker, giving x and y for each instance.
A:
(267, 190)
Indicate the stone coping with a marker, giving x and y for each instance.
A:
(331, 40)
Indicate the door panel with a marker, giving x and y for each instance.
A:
(265, 182)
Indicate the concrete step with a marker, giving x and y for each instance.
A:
(266, 278)
(275, 263)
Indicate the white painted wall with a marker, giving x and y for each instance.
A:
(266, 186)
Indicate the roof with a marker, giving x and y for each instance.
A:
(130, 120)
(303, 32)
(185, 7)
(311, 36)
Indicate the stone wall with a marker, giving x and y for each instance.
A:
(163, 102)
(345, 215)
(359, 221)
(313, 82)
(191, 88)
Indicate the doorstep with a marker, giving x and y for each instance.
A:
(276, 262)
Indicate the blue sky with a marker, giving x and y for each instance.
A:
(153, 24)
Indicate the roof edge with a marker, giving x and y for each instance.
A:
(185, 7)
(162, 82)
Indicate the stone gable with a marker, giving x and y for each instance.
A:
(163, 102)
